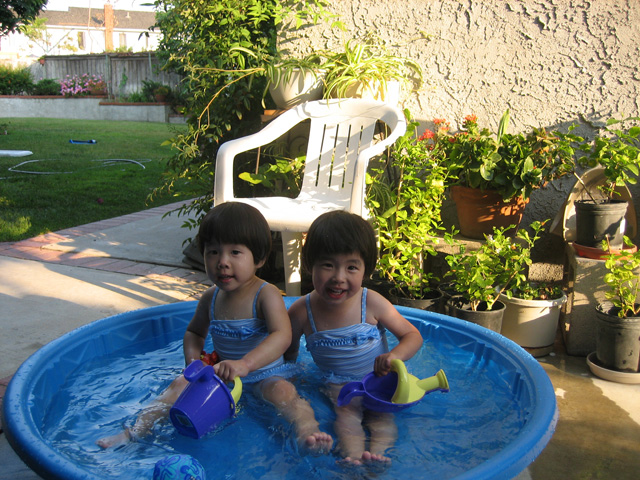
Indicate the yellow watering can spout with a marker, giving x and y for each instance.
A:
(237, 389)
(410, 388)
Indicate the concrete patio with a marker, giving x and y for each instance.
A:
(52, 284)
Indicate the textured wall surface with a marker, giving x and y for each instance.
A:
(552, 62)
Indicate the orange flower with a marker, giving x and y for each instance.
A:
(427, 135)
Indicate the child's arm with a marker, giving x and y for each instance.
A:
(409, 339)
(271, 305)
(198, 329)
(297, 315)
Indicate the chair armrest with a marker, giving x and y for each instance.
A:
(397, 128)
(223, 189)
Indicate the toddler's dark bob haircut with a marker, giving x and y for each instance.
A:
(239, 223)
(340, 232)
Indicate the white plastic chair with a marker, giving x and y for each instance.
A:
(338, 152)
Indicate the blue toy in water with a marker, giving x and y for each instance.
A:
(178, 467)
(205, 402)
(78, 142)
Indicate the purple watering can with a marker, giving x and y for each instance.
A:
(393, 392)
(205, 402)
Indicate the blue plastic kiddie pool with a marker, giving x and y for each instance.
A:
(498, 416)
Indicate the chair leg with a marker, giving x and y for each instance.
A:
(291, 246)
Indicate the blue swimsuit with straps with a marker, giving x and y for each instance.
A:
(233, 339)
(347, 353)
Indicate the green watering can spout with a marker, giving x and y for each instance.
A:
(411, 389)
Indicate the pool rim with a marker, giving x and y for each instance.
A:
(26, 440)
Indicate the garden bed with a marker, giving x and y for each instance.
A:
(82, 108)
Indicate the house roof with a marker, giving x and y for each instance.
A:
(94, 18)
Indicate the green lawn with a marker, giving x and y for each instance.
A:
(64, 185)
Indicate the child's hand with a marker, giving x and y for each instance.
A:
(382, 364)
(227, 370)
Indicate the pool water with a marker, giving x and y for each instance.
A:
(443, 436)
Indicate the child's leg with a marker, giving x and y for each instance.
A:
(147, 417)
(383, 433)
(348, 427)
(297, 411)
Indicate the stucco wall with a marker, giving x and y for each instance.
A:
(552, 62)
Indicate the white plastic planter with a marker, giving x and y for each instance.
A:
(301, 86)
(531, 323)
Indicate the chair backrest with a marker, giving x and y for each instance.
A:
(340, 146)
(338, 151)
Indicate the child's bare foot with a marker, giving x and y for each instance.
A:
(316, 443)
(367, 458)
(375, 459)
(115, 440)
(348, 461)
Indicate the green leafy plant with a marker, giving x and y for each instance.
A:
(280, 175)
(277, 69)
(281, 69)
(207, 43)
(500, 265)
(405, 196)
(366, 63)
(622, 279)
(15, 81)
(618, 152)
(161, 90)
(137, 97)
(38, 33)
(511, 164)
(15, 13)
(47, 86)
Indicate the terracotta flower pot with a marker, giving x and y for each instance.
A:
(479, 211)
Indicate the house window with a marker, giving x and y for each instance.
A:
(81, 40)
(123, 40)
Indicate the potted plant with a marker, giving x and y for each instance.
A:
(494, 175)
(473, 276)
(405, 196)
(618, 331)
(602, 214)
(532, 309)
(160, 93)
(292, 81)
(498, 272)
(367, 69)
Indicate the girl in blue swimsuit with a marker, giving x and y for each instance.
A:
(247, 320)
(344, 327)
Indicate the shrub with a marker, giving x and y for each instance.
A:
(148, 89)
(15, 81)
(47, 86)
(137, 97)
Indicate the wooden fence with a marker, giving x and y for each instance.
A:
(123, 73)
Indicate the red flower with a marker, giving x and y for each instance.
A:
(471, 119)
(427, 135)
